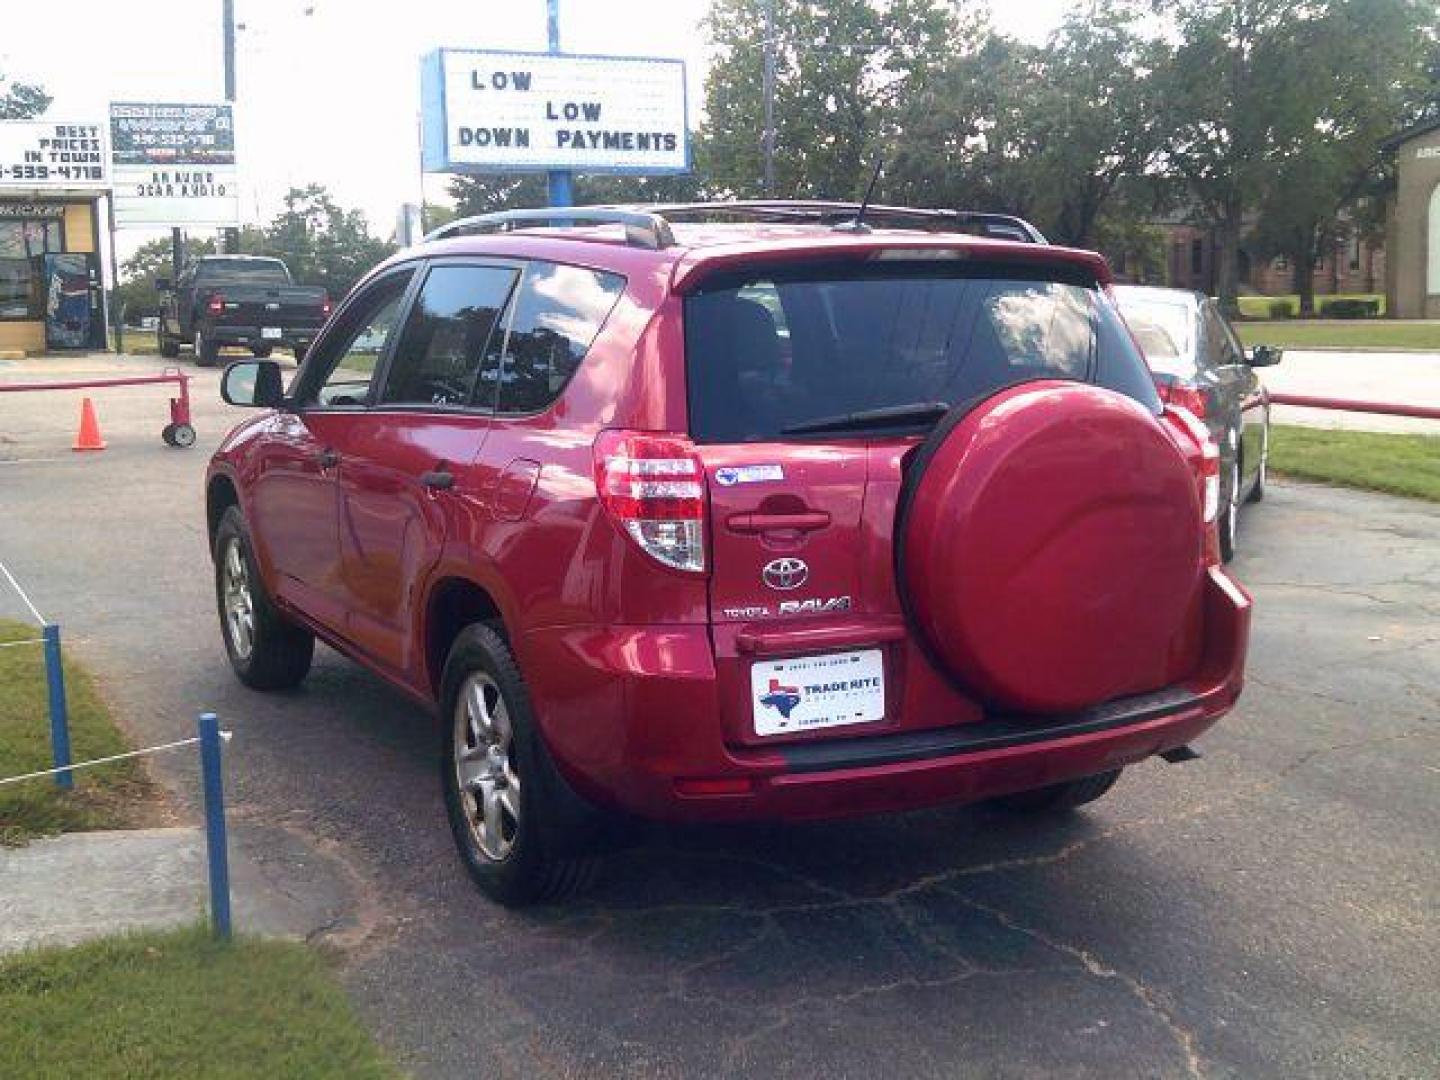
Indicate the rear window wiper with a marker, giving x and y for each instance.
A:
(917, 413)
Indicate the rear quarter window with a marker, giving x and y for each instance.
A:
(765, 353)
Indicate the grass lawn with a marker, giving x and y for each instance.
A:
(107, 797)
(1341, 333)
(1398, 464)
(179, 1005)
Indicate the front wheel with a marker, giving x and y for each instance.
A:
(505, 800)
(267, 651)
(1229, 518)
(1058, 798)
(1257, 493)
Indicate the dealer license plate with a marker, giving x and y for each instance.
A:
(808, 692)
(270, 333)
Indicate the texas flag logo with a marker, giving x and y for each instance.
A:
(782, 699)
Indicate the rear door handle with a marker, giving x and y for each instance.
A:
(438, 479)
(327, 458)
(804, 521)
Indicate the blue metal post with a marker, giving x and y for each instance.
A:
(559, 183)
(59, 710)
(215, 842)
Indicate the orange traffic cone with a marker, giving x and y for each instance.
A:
(89, 436)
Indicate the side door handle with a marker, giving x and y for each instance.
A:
(327, 458)
(438, 479)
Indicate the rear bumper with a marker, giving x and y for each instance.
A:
(631, 716)
(251, 336)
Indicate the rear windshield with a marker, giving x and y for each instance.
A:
(245, 272)
(1165, 330)
(780, 350)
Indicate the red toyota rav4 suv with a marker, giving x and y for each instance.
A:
(778, 516)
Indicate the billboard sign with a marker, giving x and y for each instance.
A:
(174, 164)
(491, 111)
(50, 155)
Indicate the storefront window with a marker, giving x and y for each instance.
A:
(22, 243)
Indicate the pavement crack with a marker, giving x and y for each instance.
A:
(1150, 999)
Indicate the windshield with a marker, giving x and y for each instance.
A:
(1164, 329)
(246, 272)
(789, 353)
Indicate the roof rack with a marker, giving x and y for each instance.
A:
(648, 226)
(643, 228)
(998, 226)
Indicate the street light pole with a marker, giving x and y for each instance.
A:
(231, 236)
(559, 183)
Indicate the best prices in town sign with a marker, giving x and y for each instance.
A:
(48, 155)
(174, 164)
(492, 111)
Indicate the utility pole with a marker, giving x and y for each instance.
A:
(560, 183)
(231, 236)
(768, 137)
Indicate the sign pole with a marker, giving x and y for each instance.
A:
(117, 316)
(560, 183)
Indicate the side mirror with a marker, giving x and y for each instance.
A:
(253, 384)
(1265, 356)
(162, 284)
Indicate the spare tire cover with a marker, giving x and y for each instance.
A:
(1051, 545)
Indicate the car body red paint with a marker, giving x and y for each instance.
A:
(639, 672)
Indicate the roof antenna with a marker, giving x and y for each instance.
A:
(857, 223)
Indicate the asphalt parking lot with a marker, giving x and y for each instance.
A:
(1267, 911)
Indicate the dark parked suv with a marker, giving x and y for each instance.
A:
(733, 512)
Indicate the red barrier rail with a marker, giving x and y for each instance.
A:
(1420, 412)
(179, 432)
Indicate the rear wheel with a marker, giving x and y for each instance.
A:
(267, 651)
(1057, 798)
(1229, 518)
(505, 800)
(1258, 491)
(207, 353)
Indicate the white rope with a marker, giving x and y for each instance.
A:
(16, 586)
(23, 641)
(225, 735)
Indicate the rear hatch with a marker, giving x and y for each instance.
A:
(287, 307)
(810, 385)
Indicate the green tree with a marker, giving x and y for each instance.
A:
(492, 192)
(1366, 76)
(322, 242)
(1234, 93)
(842, 69)
(21, 101)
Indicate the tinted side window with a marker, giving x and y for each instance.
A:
(451, 329)
(558, 311)
(340, 370)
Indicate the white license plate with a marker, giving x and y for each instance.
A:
(803, 693)
(270, 333)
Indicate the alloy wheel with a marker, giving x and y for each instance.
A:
(485, 773)
(239, 604)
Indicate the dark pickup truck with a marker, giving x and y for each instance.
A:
(243, 300)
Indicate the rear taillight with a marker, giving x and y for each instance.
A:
(1187, 397)
(215, 304)
(325, 306)
(1209, 475)
(653, 486)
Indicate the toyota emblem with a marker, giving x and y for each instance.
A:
(785, 573)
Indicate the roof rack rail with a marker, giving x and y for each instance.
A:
(643, 227)
(999, 226)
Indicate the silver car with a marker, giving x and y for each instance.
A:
(1199, 363)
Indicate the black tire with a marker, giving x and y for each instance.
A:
(545, 848)
(300, 351)
(1058, 798)
(279, 653)
(260, 352)
(1257, 491)
(169, 347)
(1228, 519)
(167, 434)
(207, 353)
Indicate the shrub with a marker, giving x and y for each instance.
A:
(1350, 308)
(1281, 309)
